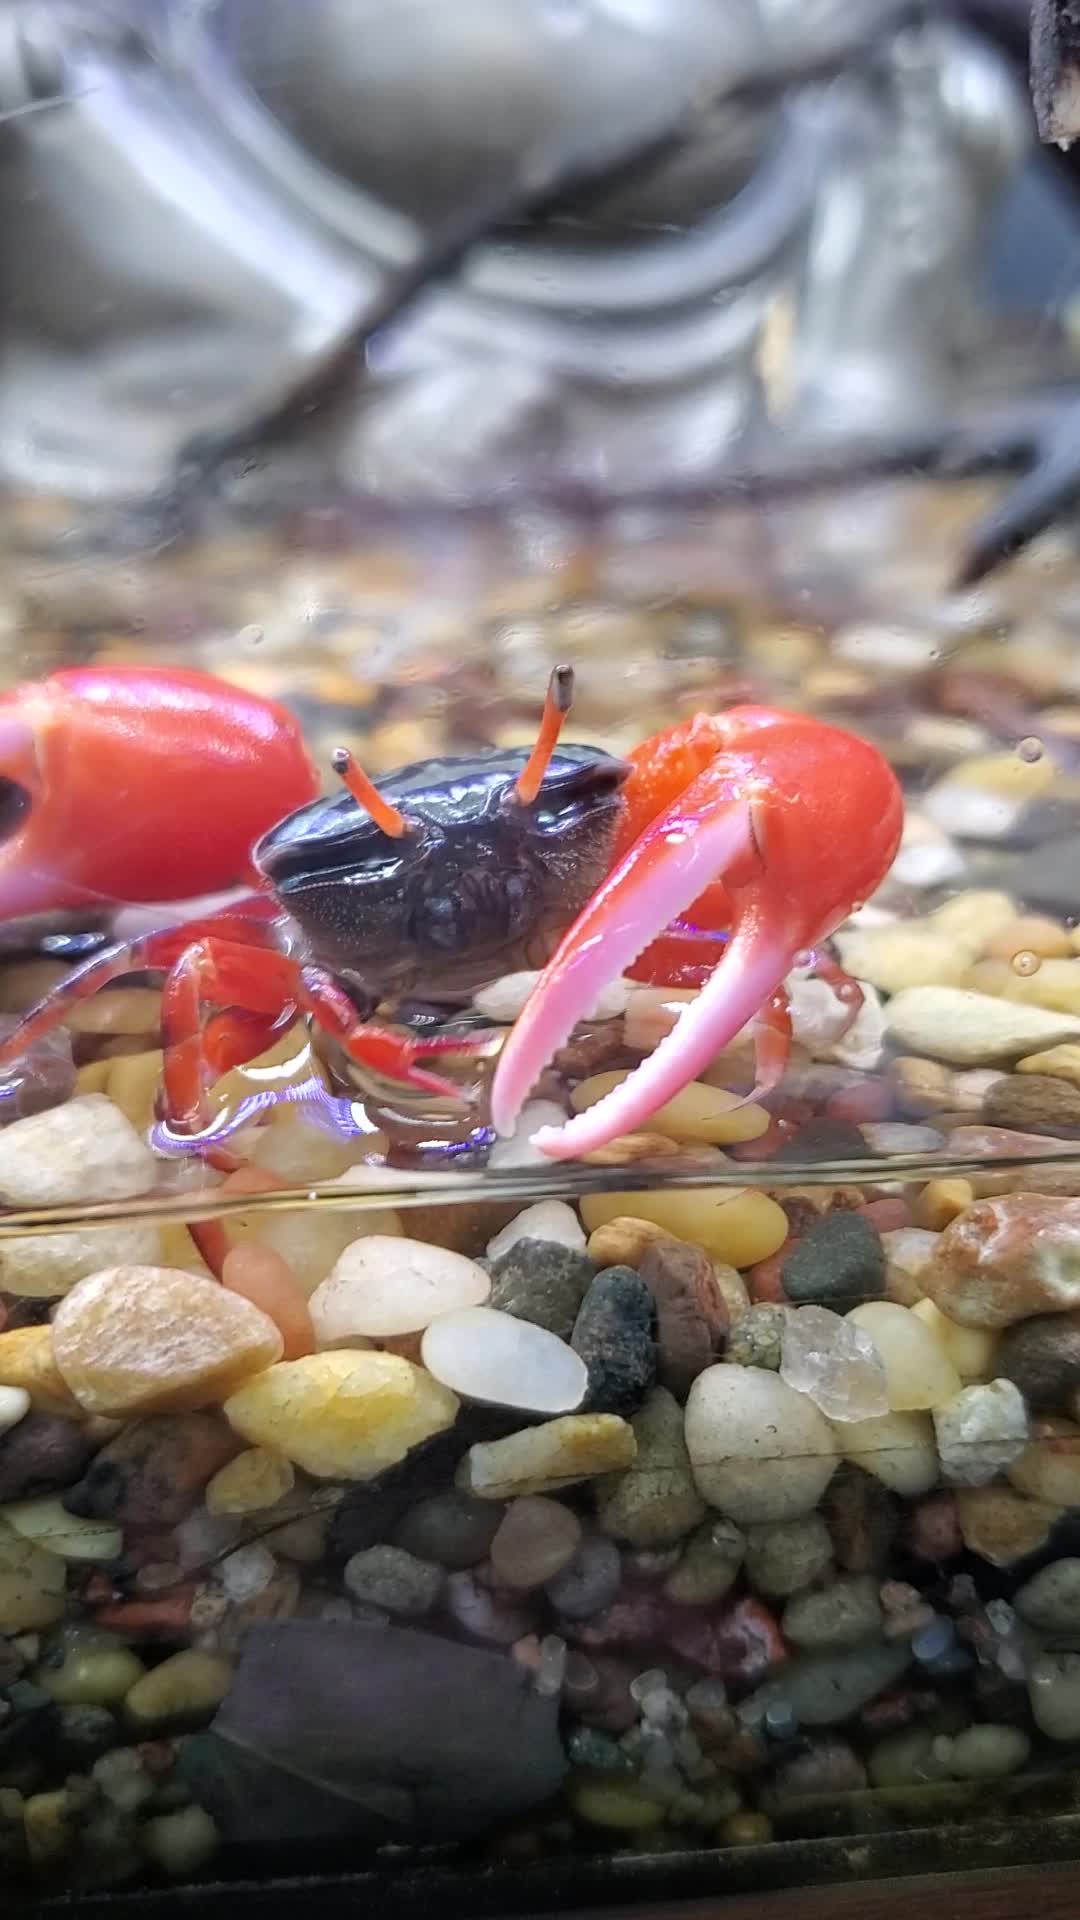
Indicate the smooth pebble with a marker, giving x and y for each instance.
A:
(492, 1357)
(759, 1451)
(382, 1286)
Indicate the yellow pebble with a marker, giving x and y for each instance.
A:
(577, 1446)
(33, 1585)
(180, 1843)
(256, 1479)
(132, 1083)
(27, 1361)
(73, 1536)
(343, 1415)
(93, 1077)
(1060, 1063)
(625, 1809)
(746, 1830)
(623, 1241)
(97, 1675)
(134, 1340)
(696, 1112)
(1029, 933)
(737, 1225)
(1055, 984)
(941, 1201)
(184, 1690)
(918, 1373)
(970, 1349)
(48, 1828)
(126, 1010)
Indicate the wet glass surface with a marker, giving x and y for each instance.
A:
(387, 1484)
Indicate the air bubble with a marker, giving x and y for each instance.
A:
(1031, 748)
(803, 959)
(1025, 962)
(847, 990)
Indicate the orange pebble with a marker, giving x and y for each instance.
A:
(263, 1277)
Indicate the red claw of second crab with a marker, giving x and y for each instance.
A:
(770, 824)
(133, 784)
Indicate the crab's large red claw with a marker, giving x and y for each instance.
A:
(801, 822)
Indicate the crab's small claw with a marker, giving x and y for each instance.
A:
(801, 822)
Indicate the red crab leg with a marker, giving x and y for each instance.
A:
(800, 820)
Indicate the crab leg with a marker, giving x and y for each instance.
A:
(799, 820)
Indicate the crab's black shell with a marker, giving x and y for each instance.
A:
(479, 885)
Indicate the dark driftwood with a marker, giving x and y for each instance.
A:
(1055, 68)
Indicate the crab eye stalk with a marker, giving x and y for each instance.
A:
(367, 795)
(557, 705)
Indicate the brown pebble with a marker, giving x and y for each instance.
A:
(921, 1088)
(1001, 1525)
(691, 1317)
(1041, 1356)
(42, 1454)
(610, 1706)
(152, 1473)
(863, 1519)
(934, 1528)
(1005, 1259)
(1033, 1103)
(536, 1539)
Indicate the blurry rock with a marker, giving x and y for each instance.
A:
(386, 1733)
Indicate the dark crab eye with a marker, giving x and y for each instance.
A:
(15, 804)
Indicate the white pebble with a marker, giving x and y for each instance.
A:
(973, 813)
(897, 1136)
(818, 1017)
(504, 999)
(382, 1286)
(517, 1149)
(972, 1029)
(898, 649)
(864, 1042)
(928, 863)
(549, 1220)
(42, 1265)
(759, 1451)
(981, 1432)
(502, 1361)
(84, 1150)
(14, 1405)
(248, 1572)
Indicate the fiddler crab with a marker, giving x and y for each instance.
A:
(748, 835)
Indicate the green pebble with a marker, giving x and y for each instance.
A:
(622, 1809)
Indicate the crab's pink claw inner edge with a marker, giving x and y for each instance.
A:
(661, 874)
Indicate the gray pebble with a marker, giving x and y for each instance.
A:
(590, 1582)
(614, 1335)
(984, 1752)
(84, 1732)
(708, 1566)
(840, 1262)
(907, 1759)
(655, 1502)
(863, 1519)
(1054, 1692)
(42, 1454)
(839, 1615)
(1050, 1600)
(598, 1752)
(541, 1281)
(1041, 1356)
(756, 1339)
(786, 1555)
(826, 1766)
(453, 1528)
(390, 1578)
(824, 1689)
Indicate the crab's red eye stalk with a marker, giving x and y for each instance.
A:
(367, 794)
(560, 695)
